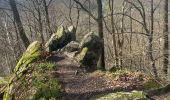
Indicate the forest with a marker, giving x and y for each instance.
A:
(84, 50)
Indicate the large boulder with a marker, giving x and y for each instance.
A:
(61, 38)
(92, 41)
(56, 40)
(90, 48)
(32, 53)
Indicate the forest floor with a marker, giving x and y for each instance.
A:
(77, 84)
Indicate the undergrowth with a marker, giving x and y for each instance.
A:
(37, 84)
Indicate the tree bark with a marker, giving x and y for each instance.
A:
(166, 39)
(113, 33)
(47, 17)
(99, 20)
(151, 41)
(19, 23)
(101, 62)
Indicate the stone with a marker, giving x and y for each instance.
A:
(90, 48)
(80, 57)
(134, 95)
(71, 47)
(72, 33)
(56, 40)
(93, 43)
(61, 38)
(32, 53)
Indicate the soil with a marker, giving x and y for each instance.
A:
(77, 84)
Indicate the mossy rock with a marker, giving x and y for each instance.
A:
(60, 32)
(56, 40)
(82, 54)
(134, 95)
(93, 43)
(61, 38)
(3, 82)
(71, 33)
(32, 53)
(39, 84)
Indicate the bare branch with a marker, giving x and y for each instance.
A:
(83, 8)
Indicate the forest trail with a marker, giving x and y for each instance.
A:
(79, 85)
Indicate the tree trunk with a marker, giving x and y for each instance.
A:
(89, 20)
(113, 33)
(19, 23)
(40, 24)
(47, 17)
(101, 62)
(165, 32)
(151, 41)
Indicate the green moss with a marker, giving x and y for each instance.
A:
(33, 52)
(47, 90)
(151, 84)
(134, 95)
(120, 72)
(114, 69)
(82, 54)
(45, 85)
(3, 81)
(71, 29)
(60, 32)
(46, 66)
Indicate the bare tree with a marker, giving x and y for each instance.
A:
(101, 62)
(166, 39)
(149, 30)
(111, 4)
(47, 16)
(99, 20)
(19, 23)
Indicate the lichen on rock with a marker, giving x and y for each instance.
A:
(93, 43)
(82, 54)
(32, 53)
(56, 40)
(134, 95)
(61, 38)
(71, 33)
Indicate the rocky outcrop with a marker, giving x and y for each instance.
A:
(71, 33)
(33, 52)
(56, 40)
(86, 52)
(90, 48)
(61, 38)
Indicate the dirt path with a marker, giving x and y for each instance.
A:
(79, 85)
